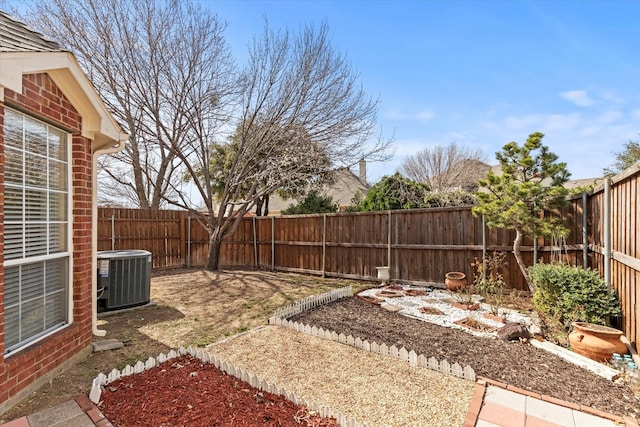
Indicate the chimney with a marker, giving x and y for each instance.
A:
(363, 171)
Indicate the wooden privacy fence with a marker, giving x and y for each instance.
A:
(614, 241)
(419, 245)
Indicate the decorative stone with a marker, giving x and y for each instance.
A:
(513, 331)
(109, 344)
(391, 307)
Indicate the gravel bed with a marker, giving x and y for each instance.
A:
(372, 389)
(441, 301)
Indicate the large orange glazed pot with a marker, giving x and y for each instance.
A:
(596, 342)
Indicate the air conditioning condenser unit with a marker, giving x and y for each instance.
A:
(124, 279)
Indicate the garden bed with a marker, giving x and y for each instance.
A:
(186, 391)
(517, 364)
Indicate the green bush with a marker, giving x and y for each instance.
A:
(568, 294)
(312, 203)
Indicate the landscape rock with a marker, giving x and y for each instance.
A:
(513, 331)
(534, 329)
(108, 344)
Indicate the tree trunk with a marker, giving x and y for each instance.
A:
(518, 255)
(266, 205)
(213, 257)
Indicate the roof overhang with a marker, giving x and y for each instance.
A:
(98, 124)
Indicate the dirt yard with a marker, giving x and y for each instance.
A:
(192, 307)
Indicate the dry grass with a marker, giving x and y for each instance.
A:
(372, 389)
(219, 304)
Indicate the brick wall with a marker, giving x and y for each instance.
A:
(3, 369)
(45, 101)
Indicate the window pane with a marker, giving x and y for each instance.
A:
(13, 129)
(35, 137)
(56, 272)
(35, 173)
(32, 281)
(57, 144)
(36, 205)
(13, 241)
(13, 204)
(56, 309)
(32, 315)
(57, 175)
(57, 206)
(13, 164)
(11, 326)
(57, 237)
(36, 240)
(11, 286)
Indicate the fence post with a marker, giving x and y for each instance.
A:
(389, 243)
(484, 248)
(189, 241)
(113, 232)
(273, 243)
(324, 244)
(607, 232)
(585, 236)
(255, 244)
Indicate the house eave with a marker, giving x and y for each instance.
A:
(98, 124)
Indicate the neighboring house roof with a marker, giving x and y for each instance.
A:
(344, 187)
(25, 51)
(571, 184)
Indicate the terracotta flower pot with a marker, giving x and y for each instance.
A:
(455, 280)
(596, 342)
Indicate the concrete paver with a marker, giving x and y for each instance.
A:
(66, 414)
(549, 412)
(507, 408)
(506, 398)
(584, 419)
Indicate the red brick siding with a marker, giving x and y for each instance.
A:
(42, 97)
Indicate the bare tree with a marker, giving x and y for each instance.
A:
(302, 115)
(161, 66)
(447, 167)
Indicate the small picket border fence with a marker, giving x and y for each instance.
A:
(253, 380)
(279, 318)
(312, 301)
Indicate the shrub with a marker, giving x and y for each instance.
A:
(568, 294)
(451, 198)
(489, 279)
(312, 203)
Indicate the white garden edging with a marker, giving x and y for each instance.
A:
(410, 356)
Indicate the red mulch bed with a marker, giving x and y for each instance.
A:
(187, 392)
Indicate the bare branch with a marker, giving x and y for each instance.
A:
(445, 168)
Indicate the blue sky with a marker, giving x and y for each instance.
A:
(480, 73)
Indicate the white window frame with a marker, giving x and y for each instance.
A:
(58, 255)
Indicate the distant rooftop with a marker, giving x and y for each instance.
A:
(18, 37)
